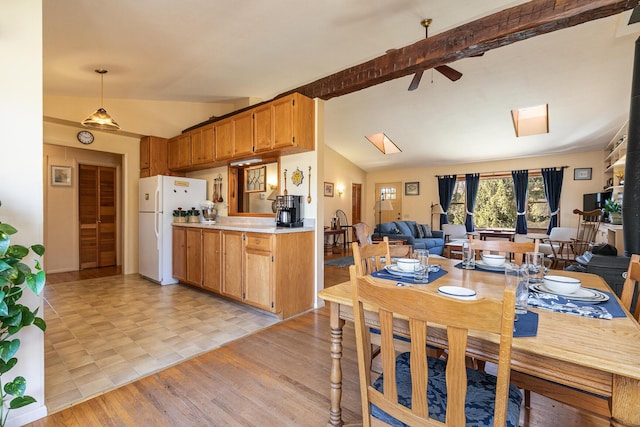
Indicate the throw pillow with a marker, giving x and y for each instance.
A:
(426, 230)
(420, 232)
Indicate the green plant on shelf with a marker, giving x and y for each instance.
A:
(612, 206)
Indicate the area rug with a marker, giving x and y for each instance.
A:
(345, 261)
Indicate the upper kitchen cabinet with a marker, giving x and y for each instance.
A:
(263, 128)
(293, 123)
(202, 145)
(243, 134)
(153, 156)
(179, 151)
(223, 132)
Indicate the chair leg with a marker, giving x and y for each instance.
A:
(527, 399)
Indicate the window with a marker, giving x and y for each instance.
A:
(388, 193)
(496, 206)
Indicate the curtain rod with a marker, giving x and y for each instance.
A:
(502, 172)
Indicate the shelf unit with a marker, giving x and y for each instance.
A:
(615, 155)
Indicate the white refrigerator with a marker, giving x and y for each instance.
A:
(158, 197)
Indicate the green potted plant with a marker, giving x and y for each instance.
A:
(179, 215)
(15, 278)
(614, 209)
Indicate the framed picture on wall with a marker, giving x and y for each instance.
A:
(411, 188)
(328, 189)
(61, 175)
(581, 174)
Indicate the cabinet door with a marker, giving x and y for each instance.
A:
(202, 149)
(243, 134)
(223, 132)
(232, 264)
(144, 152)
(257, 279)
(194, 256)
(211, 257)
(179, 151)
(283, 122)
(179, 262)
(262, 128)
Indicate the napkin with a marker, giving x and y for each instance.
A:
(384, 274)
(548, 301)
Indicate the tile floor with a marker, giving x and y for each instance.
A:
(106, 332)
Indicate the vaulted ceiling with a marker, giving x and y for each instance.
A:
(204, 51)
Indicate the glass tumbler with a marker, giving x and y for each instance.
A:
(535, 263)
(421, 269)
(468, 257)
(518, 277)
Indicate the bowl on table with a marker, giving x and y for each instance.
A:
(561, 284)
(406, 264)
(493, 259)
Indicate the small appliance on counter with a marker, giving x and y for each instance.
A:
(208, 212)
(289, 211)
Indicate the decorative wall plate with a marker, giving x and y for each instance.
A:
(297, 177)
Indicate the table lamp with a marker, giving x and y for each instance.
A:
(436, 209)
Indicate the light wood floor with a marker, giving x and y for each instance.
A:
(275, 377)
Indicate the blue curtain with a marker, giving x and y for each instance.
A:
(520, 184)
(472, 181)
(446, 185)
(552, 178)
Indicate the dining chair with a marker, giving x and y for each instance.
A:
(513, 251)
(418, 390)
(564, 253)
(631, 287)
(362, 232)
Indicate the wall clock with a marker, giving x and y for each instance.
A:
(85, 137)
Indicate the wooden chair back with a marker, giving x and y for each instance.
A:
(423, 308)
(588, 225)
(631, 287)
(368, 258)
(514, 251)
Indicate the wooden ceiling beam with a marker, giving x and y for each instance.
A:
(511, 25)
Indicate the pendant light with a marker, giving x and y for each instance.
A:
(101, 119)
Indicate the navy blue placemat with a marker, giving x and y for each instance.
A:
(433, 276)
(602, 310)
(526, 325)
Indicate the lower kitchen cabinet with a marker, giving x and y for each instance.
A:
(273, 272)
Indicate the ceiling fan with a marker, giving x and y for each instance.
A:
(445, 70)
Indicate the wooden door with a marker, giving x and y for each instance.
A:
(356, 206)
(232, 250)
(391, 191)
(211, 260)
(97, 216)
(194, 256)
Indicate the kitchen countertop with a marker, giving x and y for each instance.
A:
(255, 228)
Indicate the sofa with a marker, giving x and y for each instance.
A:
(420, 236)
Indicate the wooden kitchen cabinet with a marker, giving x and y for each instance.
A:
(243, 134)
(223, 132)
(194, 256)
(179, 151)
(153, 156)
(232, 249)
(211, 260)
(293, 122)
(258, 270)
(179, 251)
(263, 128)
(202, 145)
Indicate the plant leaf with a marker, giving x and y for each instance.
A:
(38, 249)
(7, 229)
(8, 349)
(17, 387)
(6, 366)
(19, 402)
(36, 282)
(17, 251)
(40, 323)
(4, 310)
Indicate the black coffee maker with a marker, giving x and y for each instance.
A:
(289, 211)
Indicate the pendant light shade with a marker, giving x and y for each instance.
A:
(101, 119)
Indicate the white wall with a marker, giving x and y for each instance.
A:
(21, 172)
(342, 173)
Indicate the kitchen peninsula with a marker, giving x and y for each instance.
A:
(255, 263)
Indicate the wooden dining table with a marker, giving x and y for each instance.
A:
(600, 356)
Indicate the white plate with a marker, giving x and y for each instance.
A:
(583, 294)
(457, 292)
(393, 269)
(486, 266)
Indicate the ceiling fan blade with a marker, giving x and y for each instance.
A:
(415, 82)
(449, 72)
(635, 16)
